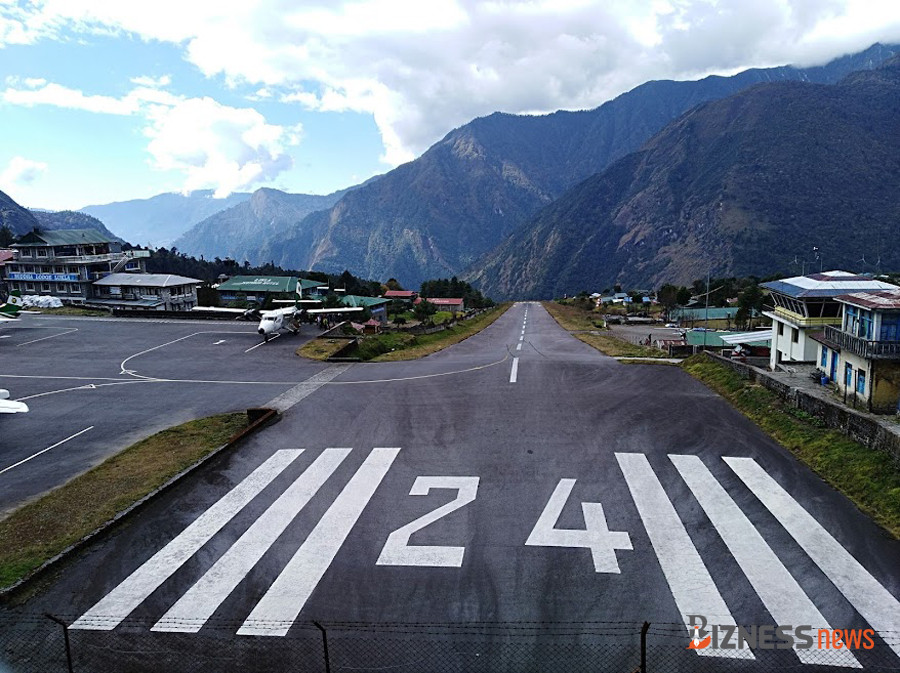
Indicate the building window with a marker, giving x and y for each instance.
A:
(45, 287)
(824, 360)
(60, 287)
(26, 252)
(29, 287)
(848, 375)
(861, 381)
(781, 329)
(41, 252)
(795, 334)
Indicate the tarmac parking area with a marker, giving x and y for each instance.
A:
(96, 385)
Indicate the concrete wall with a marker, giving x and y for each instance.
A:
(860, 427)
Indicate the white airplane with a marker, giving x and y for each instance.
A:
(279, 318)
(7, 406)
(10, 309)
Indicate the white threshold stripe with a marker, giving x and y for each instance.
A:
(864, 592)
(692, 587)
(519, 346)
(779, 591)
(121, 601)
(35, 455)
(279, 607)
(198, 604)
(514, 372)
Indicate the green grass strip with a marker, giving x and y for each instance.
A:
(867, 476)
(42, 529)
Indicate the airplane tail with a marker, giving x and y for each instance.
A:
(13, 304)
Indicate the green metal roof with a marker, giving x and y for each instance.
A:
(715, 313)
(308, 284)
(357, 300)
(63, 237)
(260, 284)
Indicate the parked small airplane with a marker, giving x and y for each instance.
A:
(9, 310)
(7, 406)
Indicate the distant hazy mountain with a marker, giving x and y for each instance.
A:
(69, 219)
(18, 219)
(438, 214)
(161, 219)
(241, 232)
(746, 185)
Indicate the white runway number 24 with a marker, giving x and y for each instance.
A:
(397, 550)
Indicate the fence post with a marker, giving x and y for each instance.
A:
(324, 646)
(65, 629)
(644, 629)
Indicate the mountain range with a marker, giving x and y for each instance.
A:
(779, 176)
(20, 220)
(159, 220)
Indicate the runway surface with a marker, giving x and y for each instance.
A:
(518, 478)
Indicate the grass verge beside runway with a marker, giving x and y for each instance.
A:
(42, 529)
(574, 319)
(866, 476)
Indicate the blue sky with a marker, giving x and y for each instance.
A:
(108, 100)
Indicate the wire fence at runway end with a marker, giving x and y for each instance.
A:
(49, 644)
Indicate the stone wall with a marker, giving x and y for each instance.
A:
(863, 428)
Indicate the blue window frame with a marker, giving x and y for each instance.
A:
(861, 381)
(848, 375)
(824, 360)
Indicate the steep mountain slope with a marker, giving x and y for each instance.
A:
(70, 219)
(161, 219)
(237, 231)
(440, 213)
(18, 219)
(738, 186)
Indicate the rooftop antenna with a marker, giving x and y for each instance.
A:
(818, 257)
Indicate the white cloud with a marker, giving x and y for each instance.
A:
(212, 145)
(20, 172)
(421, 68)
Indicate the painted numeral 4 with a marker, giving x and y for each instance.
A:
(596, 535)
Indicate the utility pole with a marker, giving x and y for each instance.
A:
(706, 320)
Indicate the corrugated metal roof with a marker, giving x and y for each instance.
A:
(64, 237)
(400, 294)
(827, 284)
(260, 284)
(354, 300)
(883, 299)
(146, 280)
(445, 301)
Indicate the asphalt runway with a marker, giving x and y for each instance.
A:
(450, 513)
(95, 386)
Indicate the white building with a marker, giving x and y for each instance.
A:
(807, 304)
(147, 291)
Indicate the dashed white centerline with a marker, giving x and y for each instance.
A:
(519, 346)
(35, 455)
(220, 341)
(515, 370)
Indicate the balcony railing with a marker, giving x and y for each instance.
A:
(871, 350)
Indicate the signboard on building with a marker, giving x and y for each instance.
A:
(43, 277)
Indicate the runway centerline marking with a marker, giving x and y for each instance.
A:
(279, 607)
(35, 455)
(220, 341)
(514, 372)
(519, 346)
(110, 610)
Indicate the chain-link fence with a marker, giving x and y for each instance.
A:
(44, 644)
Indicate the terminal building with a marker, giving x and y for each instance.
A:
(145, 291)
(66, 262)
(258, 290)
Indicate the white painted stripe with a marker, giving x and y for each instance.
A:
(689, 580)
(279, 607)
(514, 372)
(291, 397)
(871, 599)
(776, 587)
(198, 604)
(262, 343)
(52, 336)
(220, 341)
(119, 603)
(35, 455)
(519, 346)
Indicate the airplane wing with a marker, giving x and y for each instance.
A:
(9, 407)
(3, 316)
(315, 311)
(296, 301)
(279, 311)
(221, 309)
